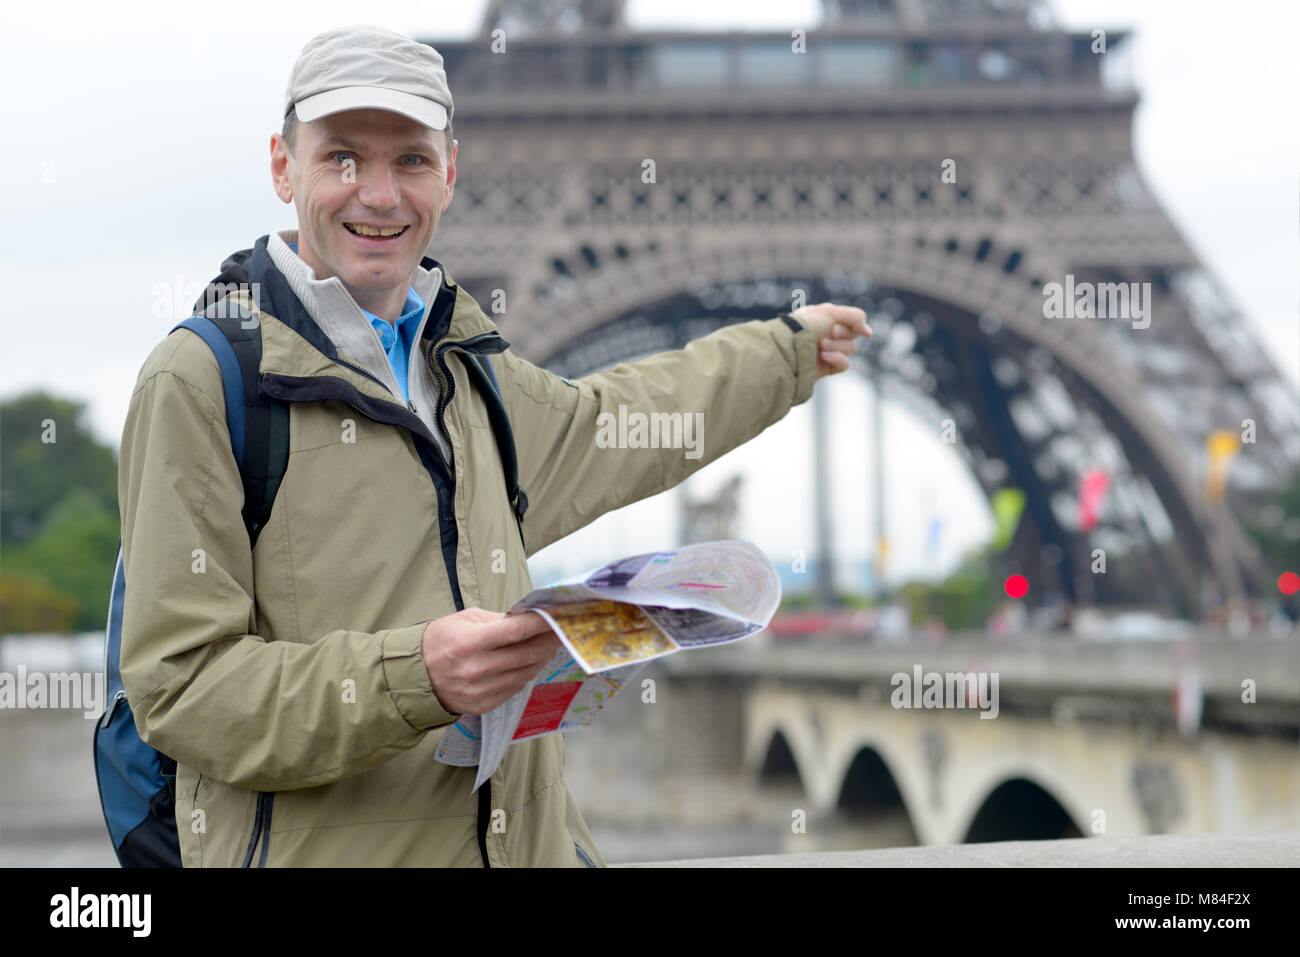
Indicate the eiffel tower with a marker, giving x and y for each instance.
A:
(941, 163)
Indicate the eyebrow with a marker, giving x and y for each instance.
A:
(413, 147)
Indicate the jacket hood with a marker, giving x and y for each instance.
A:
(234, 272)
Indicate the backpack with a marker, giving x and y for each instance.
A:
(137, 784)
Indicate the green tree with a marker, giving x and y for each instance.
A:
(29, 604)
(36, 474)
(73, 553)
(962, 600)
(58, 517)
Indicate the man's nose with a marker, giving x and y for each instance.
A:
(377, 187)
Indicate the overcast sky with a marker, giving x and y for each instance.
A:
(137, 155)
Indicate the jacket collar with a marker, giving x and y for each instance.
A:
(329, 303)
(319, 330)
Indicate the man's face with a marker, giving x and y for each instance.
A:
(359, 169)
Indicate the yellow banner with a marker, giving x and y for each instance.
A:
(1220, 447)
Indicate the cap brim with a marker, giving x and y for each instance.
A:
(418, 108)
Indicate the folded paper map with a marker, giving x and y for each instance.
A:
(611, 621)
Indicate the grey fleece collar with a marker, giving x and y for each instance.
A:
(337, 313)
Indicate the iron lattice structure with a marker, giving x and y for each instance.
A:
(823, 171)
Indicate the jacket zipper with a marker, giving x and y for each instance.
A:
(364, 371)
(261, 828)
(446, 390)
(484, 814)
(373, 378)
(447, 382)
(441, 374)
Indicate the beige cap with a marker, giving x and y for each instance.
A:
(368, 67)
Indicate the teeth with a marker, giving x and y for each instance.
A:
(368, 231)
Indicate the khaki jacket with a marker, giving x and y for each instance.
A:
(287, 680)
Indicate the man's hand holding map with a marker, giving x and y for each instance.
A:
(611, 622)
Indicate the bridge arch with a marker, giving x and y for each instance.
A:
(870, 790)
(779, 765)
(868, 783)
(1020, 809)
(781, 752)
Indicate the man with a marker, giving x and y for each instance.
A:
(301, 684)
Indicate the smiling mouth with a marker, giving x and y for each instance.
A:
(375, 233)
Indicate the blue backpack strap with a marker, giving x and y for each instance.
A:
(258, 424)
(232, 376)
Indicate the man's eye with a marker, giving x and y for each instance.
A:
(335, 156)
(419, 159)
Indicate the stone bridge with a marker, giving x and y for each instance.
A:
(1071, 739)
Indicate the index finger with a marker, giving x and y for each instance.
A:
(851, 317)
(514, 628)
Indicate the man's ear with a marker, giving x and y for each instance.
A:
(280, 169)
(451, 174)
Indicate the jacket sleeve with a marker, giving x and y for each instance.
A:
(733, 383)
(203, 688)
